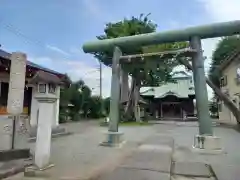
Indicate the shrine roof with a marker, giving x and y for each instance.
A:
(6, 55)
(182, 88)
(42, 76)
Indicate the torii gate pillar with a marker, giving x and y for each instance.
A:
(205, 140)
(113, 137)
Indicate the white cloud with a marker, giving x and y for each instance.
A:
(173, 24)
(76, 51)
(58, 50)
(80, 70)
(222, 10)
(94, 9)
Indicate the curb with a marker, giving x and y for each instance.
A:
(33, 139)
(13, 171)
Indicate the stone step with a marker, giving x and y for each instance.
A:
(192, 169)
(154, 155)
(135, 174)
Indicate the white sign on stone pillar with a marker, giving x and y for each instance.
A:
(16, 83)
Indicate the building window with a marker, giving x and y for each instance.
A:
(223, 81)
(52, 88)
(42, 88)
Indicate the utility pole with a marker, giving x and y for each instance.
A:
(100, 74)
(100, 84)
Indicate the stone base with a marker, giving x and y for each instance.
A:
(34, 171)
(207, 144)
(113, 139)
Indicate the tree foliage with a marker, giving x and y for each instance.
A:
(77, 102)
(145, 71)
(153, 71)
(126, 27)
(225, 48)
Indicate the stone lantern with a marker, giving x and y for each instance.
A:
(46, 96)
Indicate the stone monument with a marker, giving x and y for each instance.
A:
(46, 96)
(15, 101)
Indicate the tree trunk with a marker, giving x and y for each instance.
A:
(136, 101)
(231, 106)
(131, 111)
(129, 106)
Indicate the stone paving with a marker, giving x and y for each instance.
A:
(225, 165)
(78, 156)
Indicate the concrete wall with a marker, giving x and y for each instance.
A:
(232, 88)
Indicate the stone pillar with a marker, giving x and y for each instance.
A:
(56, 108)
(113, 136)
(205, 141)
(15, 100)
(124, 86)
(115, 91)
(34, 108)
(205, 123)
(44, 130)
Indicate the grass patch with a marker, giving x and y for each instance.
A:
(134, 124)
(102, 122)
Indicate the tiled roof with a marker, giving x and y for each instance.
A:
(178, 89)
(6, 55)
(42, 76)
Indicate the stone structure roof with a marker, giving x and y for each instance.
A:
(6, 55)
(181, 90)
(42, 76)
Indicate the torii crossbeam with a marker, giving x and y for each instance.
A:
(194, 36)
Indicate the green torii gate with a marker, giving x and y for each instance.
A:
(192, 34)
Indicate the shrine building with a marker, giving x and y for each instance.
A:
(171, 101)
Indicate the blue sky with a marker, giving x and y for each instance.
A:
(52, 32)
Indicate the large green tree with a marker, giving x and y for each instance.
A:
(153, 72)
(225, 47)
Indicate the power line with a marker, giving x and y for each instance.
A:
(28, 39)
(18, 33)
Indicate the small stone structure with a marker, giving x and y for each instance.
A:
(47, 94)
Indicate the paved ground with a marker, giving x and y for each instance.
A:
(78, 156)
